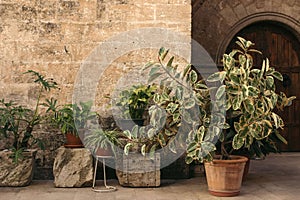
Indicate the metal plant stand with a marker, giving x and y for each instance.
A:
(107, 187)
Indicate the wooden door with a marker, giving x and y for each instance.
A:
(283, 50)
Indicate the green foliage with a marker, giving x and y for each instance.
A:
(105, 139)
(247, 95)
(17, 122)
(71, 117)
(251, 101)
(135, 100)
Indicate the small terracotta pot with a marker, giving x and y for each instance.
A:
(104, 152)
(224, 177)
(73, 141)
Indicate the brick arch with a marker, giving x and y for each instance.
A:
(288, 22)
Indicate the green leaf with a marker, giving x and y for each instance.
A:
(244, 132)
(154, 70)
(277, 75)
(237, 142)
(193, 76)
(148, 65)
(127, 133)
(253, 91)
(201, 133)
(169, 64)
(152, 152)
(172, 146)
(189, 103)
(143, 150)
(178, 93)
(188, 160)
(267, 65)
(127, 148)
(153, 77)
(245, 90)
(199, 86)
(214, 77)
(220, 91)
(172, 107)
(151, 133)
(161, 51)
(270, 81)
(249, 105)
(280, 137)
(207, 147)
(234, 78)
(134, 131)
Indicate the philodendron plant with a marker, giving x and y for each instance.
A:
(17, 122)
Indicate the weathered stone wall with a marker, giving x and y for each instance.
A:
(54, 37)
(214, 22)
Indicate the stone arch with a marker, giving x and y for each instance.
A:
(214, 23)
(286, 21)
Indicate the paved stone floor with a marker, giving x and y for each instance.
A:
(276, 178)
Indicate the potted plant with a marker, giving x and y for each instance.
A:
(72, 119)
(102, 142)
(237, 113)
(17, 124)
(137, 164)
(132, 103)
(251, 119)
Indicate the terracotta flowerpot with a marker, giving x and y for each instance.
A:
(224, 177)
(73, 141)
(104, 152)
(246, 170)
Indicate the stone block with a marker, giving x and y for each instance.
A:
(73, 167)
(136, 170)
(16, 174)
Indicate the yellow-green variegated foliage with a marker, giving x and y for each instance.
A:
(250, 96)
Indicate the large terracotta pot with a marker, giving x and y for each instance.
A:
(224, 177)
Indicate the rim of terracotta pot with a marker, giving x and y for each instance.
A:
(233, 159)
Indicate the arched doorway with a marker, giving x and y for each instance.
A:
(282, 47)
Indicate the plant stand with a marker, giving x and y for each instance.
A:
(107, 187)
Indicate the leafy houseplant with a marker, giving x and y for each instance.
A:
(17, 124)
(102, 142)
(133, 104)
(72, 119)
(171, 104)
(239, 113)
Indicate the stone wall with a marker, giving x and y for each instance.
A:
(215, 22)
(54, 37)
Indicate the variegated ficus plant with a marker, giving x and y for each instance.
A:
(180, 106)
(236, 115)
(251, 103)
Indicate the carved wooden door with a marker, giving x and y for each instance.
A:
(282, 48)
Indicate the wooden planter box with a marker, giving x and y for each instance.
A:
(16, 174)
(136, 170)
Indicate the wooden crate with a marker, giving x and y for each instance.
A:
(136, 170)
